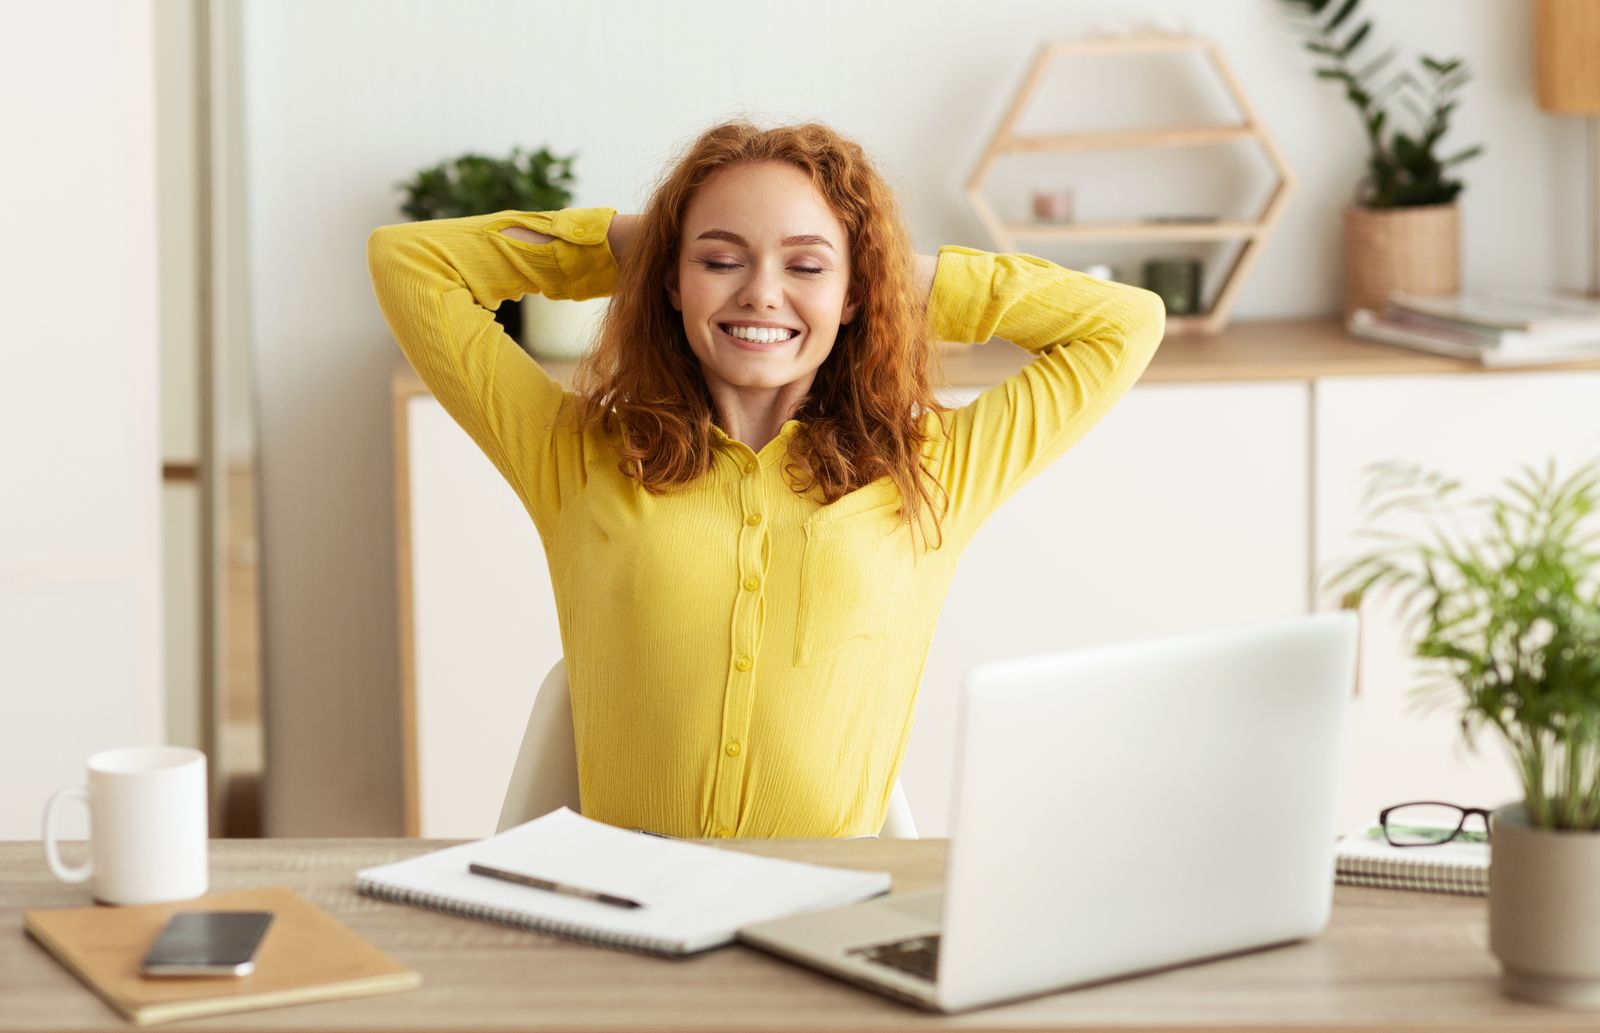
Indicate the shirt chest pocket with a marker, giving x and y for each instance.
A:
(850, 574)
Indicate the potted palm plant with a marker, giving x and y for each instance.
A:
(1402, 230)
(474, 184)
(1505, 610)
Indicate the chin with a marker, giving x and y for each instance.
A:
(761, 379)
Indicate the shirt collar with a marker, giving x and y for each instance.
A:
(770, 452)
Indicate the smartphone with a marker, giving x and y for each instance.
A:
(207, 943)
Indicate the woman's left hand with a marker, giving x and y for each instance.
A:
(926, 266)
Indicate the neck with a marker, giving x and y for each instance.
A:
(755, 415)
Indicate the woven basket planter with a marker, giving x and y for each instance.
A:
(1390, 250)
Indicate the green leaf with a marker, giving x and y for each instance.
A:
(1377, 65)
(1342, 13)
(1355, 39)
(1461, 156)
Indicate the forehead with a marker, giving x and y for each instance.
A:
(763, 203)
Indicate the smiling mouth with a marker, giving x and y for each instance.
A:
(722, 328)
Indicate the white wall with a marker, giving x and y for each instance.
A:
(80, 544)
(345, 99)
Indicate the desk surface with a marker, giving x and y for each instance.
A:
(1388, 959)
(1278, 349)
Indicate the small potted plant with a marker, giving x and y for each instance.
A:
(474, 184)
(1505, 608)
(1402, 232)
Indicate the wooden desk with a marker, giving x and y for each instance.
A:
(1388, 959)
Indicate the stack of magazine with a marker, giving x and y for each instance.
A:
(1454, 867)
(1493, 328)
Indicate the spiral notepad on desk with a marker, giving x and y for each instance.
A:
(1447, 868)
(692, 897)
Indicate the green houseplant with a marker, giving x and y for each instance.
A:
(475, 184)
(1402, 232)
(1505, 612)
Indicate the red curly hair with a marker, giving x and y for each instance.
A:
(861, 421)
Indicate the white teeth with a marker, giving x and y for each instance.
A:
(759, 334)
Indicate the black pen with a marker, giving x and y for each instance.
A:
(554, 887)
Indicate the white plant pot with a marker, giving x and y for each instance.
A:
(560, 329)
(1544, 910)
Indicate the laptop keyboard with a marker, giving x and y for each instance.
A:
(918, 956)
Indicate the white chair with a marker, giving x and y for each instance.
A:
(545, 776)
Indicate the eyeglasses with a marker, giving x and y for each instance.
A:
(1429, 823)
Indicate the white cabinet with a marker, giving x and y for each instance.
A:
(1184, 509)
(1478, 428)
(483, 625)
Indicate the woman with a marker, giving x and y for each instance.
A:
(752, 504)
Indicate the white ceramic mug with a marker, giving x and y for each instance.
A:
(147, 826)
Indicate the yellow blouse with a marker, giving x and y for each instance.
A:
(744, 660)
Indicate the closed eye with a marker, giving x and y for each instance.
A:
(734, 265)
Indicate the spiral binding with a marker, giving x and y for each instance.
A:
(514, 919)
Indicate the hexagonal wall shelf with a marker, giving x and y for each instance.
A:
(1253, 232)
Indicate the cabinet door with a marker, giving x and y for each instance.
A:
(484, 625)
(1185, 509)
(1480, 429)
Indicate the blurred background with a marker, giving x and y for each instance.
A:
(198, 542)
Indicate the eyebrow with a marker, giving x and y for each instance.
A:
(795, 241)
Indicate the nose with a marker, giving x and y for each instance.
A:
(762, 289)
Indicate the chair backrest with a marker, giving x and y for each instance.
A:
(545, 775)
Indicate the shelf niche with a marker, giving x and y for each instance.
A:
(1250, 234)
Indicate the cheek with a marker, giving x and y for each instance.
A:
(700, 298)
(824, 314)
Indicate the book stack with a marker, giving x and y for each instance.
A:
(1455, 867)
(1492, 328)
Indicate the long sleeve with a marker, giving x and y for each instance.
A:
(1093, 339)
(438, 283)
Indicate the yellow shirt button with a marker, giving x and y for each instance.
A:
(743, 663)
(752, 583)
(753, 519)
(733, 749)
(723, 833)
(752, 466)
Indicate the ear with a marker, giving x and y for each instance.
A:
(672, 287)
(852, 302)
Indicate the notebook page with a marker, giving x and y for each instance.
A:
(693, 896)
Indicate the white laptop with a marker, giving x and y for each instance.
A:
(1116, 811)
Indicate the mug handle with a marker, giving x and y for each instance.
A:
(51, 856)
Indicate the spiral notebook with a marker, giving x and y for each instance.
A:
(692, 897)
(1461, 868)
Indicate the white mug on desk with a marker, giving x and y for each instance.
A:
(147, 826)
